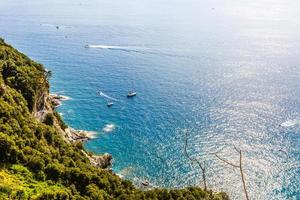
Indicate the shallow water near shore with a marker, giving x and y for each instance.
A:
(224, 73)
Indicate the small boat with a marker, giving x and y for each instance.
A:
(131, 94)
(57, 27)
(145, 183)
(110, 104)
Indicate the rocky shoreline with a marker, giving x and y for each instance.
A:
(72, 135)
(56, 100)
(102, 161)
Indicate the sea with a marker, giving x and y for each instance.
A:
(214, 78)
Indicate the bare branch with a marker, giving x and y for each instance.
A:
(240, 166)
(201, 166)
(243, 177)
(238, 150)
(227, 162)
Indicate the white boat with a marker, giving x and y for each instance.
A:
(131, 94)
(110, 104)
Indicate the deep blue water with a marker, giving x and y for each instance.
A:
(224, 72)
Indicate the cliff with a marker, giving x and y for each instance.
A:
(40, 157)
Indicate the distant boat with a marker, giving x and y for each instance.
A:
(57, 27)
(110, 104)
(131, 93)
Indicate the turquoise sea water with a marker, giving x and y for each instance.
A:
(224, 72)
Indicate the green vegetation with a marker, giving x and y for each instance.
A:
(60, 121)
(36, 162)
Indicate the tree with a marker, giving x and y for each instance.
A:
(239, 166)
(6, 147)
(54, 171)
(95, 193)
(36, 163)
(49, 119)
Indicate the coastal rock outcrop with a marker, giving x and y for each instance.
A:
(56, 100)
(102, 161)
(42, 107)
(73, 135)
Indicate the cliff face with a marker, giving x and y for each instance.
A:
(42, 106)
(36, 159)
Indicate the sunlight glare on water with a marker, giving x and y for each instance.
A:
(223, 72)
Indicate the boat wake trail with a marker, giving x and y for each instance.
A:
(108, 128)
(105, 47)
(53, 25)
(102, 94)
(120, 48)
(135, 49)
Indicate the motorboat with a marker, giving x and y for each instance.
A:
(110, 104)
(131, 94)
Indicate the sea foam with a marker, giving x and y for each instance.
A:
(100, 93)
(108, 128)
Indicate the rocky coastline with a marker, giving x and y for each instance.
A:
(72, 135)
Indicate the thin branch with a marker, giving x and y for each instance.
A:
(227, 162)
(237, 150)
(243, 178)
(202, 167)
(240, 166)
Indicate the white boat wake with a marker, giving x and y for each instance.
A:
(102, 94)
(56, 26)
(108, 128)
(105, 47)
(135, 49)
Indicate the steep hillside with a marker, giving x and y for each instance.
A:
(36, 159)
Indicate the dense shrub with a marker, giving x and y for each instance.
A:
(95, 193)
(61, 123)
(49, 119)
(36, 163)
(21, 170)
(6, 145)
(49, 136)
(60, 195)
(54, 171)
